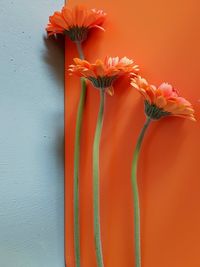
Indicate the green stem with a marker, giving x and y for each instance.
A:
(77, 165)
(96, 191)
(136, 195)
(80, 50)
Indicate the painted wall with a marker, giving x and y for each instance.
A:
(31, 137)
(163, 38)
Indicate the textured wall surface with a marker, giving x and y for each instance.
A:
(31, 137)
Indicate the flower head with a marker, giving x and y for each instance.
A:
(163, 100)
(75, 22)
(102, 74)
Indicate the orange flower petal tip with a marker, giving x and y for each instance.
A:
(75, 22)
(103, 74)
(163, 100)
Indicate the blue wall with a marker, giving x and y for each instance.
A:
(31, 137)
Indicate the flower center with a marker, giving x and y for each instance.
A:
(102, 82)
(154, 112)
(77, 33)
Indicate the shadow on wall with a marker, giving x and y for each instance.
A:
(54, 57)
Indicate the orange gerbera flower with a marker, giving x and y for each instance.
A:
(163, 100)
(75, 22)
(102, 74)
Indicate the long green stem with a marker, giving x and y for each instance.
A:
(76, 165)
(80, 50)
(96, 191)
(136, 195)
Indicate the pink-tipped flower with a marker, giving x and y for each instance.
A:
(103, 74)
(163, 100)
(75, 22)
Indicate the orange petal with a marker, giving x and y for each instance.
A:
(160, 102)
(110, 91)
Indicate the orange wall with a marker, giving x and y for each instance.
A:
(163, 38)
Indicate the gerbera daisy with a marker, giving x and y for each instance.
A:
(102, 74)
(160, 102)
(75, 22)
(163, 100)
